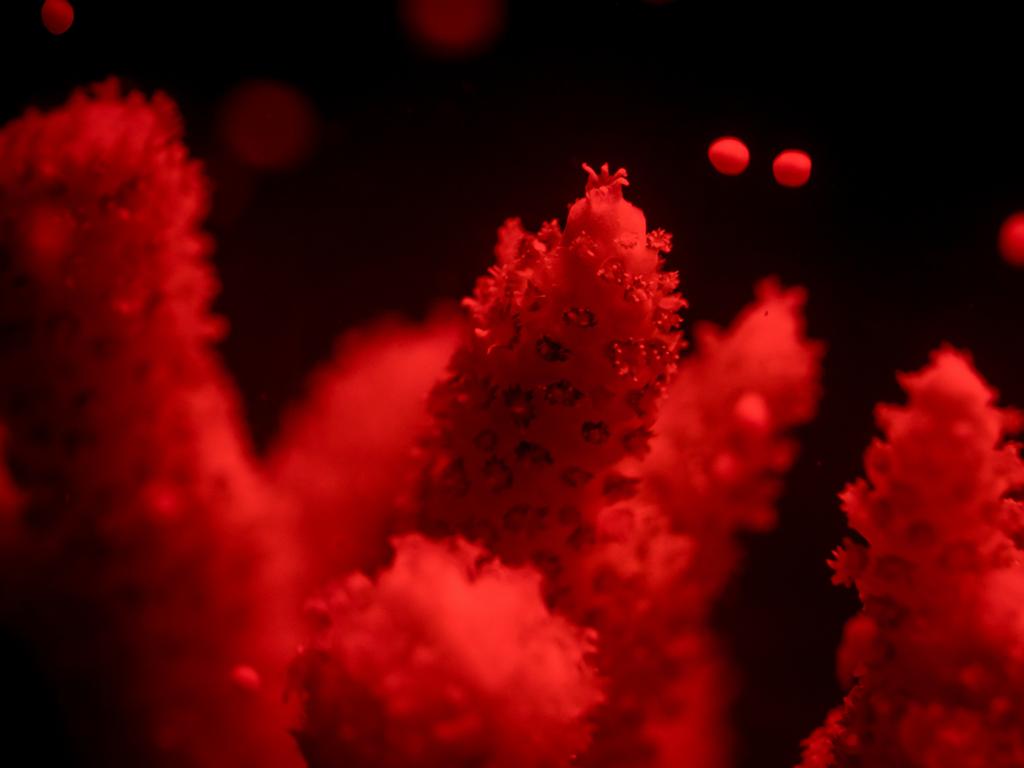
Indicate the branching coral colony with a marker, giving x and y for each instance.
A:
(494, 539)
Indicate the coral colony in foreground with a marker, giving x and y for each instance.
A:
(490, 540)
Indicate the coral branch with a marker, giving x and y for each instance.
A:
(447, 659)
(571, 342)
(149, 564)
(574, 338)
(939, 648)
(345, 450)
(713, 470)
(557, 614)
(724, 441)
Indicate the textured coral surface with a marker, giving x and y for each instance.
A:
(938, 650)
(487, 540)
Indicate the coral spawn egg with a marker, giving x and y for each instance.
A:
(269, 125)
(792, 168)
(1011, 239)
(57, 16)
(453, 28)
(729, 156)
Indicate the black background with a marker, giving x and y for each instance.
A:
(914, 129)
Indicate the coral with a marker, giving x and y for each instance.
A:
(341, 457)
(143, 554)
(938, 649)
(713, 471)
(516, 555)
(540, 452)
(573, 338)
(447, 658)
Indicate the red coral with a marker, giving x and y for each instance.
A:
(181, 560)
(940, 665)
(713, 470)
(448, 659)
(729, 411)
(345, 450)
(147, 558)
(573, 340)
(724, 442)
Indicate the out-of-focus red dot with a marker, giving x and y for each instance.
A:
(246, 678)
(729, 156)
(269, 125)
(1011, 239)
(792, 168)
(57, 16)
(454, 27)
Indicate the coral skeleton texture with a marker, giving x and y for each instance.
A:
(938, 649)
(449, 658)
(485, 541)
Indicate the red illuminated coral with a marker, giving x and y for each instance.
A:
(449, 658)
(713, 470)
(939, 652)
(543, 430)
(347, 450)
(574, 625)
(724, 444)
(573, 339)
(147, 555)
(540, 452)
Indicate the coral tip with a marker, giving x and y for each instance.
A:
(729, 156)
(792, 168)
(57, 16)
(1011, 239)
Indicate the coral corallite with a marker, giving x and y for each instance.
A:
(938, 650)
